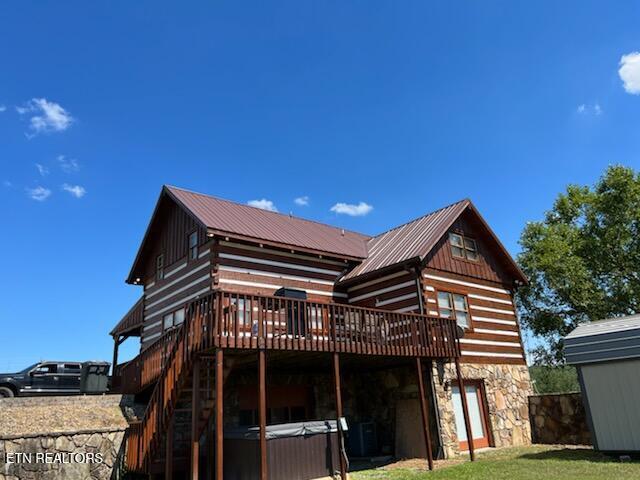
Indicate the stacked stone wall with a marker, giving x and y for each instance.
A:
(507, 390)
(559, 418)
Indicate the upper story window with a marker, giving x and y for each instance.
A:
(160, 267)
(454, 305)
(463, 247)
(193, 246)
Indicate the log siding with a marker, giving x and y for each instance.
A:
(397, 291)
(183, 282)
(253, 269)
(494, 336)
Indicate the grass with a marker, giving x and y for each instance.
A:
(520, 463)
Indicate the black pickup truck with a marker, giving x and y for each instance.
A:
(43, 378)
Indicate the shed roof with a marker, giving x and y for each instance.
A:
(604, 340)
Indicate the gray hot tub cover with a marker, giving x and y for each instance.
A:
(283, 430)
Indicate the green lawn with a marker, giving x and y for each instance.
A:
(522, 463)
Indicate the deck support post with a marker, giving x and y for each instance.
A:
(262, 413)
(219, 414)
(195, 417)
(168, 461)
(465, 410)
(424, 407)
(117, 340)
(336, 376)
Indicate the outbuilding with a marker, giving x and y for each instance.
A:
(607, 356)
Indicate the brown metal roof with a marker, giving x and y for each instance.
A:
(412, 240)
(233, 218)
(132, 322)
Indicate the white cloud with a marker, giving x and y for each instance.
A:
(75, 190)
(302, 201)
(586, 109)
(68, 165)
(48, 116)
(42, 170)
(358, 210)
(264, 204)
(630, 72)
(39, 193)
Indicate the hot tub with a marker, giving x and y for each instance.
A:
(301, 451)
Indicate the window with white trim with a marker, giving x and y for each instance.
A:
(454, 305)
(463, 247)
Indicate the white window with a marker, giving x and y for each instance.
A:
(178, 317)
(167, 321)
(454, 305)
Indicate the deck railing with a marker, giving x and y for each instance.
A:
(277, 323)
(144, 369)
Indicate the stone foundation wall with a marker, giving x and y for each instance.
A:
(559, 418)
(80, 456)
(63, 438)
(507, 390)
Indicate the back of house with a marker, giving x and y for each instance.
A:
(259, 281)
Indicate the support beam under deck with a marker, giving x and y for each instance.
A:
(336, 376)
(424, 407)
(465, 410)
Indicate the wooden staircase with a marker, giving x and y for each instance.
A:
(171, 401)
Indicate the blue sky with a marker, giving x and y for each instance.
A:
(404, 106)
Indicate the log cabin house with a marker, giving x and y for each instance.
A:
(278, 347)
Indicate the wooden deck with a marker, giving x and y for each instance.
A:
(240, 321)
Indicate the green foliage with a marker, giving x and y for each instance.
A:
(582, 259)
(554, 379)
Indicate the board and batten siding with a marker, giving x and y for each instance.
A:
(396, 291)
(253, 269)
(170, 233)
(612, 393)
(486, 268)
(183, 282)
(494, 336)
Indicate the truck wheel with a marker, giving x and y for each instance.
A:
(6, 392)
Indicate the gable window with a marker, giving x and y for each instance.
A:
(160, 267)
(193, 246)
(463, 247)
(454, 305)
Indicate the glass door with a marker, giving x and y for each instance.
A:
(477, 415)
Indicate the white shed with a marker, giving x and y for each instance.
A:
(607, 356)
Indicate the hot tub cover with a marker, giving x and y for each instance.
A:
(283, 430)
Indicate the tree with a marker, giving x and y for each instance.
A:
(582, 260)
(561, 379)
